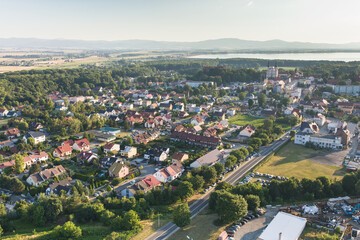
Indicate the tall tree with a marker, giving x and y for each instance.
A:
(181, 215)
(19, 164)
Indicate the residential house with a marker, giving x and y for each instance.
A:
(108, 161)
(81, 145)
(179, 107)
(166, 106)
(34, 126)
(38, 178)
(169, 173)
(197, 120)
(128, 192)
(147, 183)
(118, 170)
(7, 164)
(39, 157)
(86, 157)
(268, 112)
(320, 119)
(210, 132)
(309, 127)
(345, 136)
(3, 112)
(247, 131)
(150, 123)
(38, 137)
(208, 159)
(156, 154)
(219, 115)
(183, 114)
(62, 151)
(231, 112)
(58, 187)
(12, 133)
(111, 147)
(129, 152)
(179, 156)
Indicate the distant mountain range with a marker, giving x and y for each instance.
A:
(217, 44)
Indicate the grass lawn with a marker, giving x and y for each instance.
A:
(90, 231)
(150, 226)
(243, 120)
(201, 228)
(311, 233)
(3, 122)
(123, 134)
(293, 161)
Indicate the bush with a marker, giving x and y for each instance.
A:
(68, 230)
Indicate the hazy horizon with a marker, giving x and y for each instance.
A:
(322, 21)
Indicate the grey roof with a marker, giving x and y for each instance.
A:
(36, 134)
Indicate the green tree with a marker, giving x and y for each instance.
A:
(253, 202)
(292, 133)
(129, 141)
(2, 210)
(219, 167)
(16, 186)
(209, 175)
(348, 183)
(131, 220)
(36, 215)
(261, 99)
(182, 215)
(19, 164)
(197, 182)
(35, 168)
(185, 190)
(230, 207)
(268, 124)
(68, 230)
(117, 223)
(250, 103)
(54, 208)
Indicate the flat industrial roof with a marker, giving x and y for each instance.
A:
(288, 225)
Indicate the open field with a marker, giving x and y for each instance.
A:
(92, 231)
(243, 120)
(311, 233)
(200, 228)
(293, 161)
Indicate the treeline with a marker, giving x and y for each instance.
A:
(27, 86)
(231, 202)
(228, 75)
(338, 70)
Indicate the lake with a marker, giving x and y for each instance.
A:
(334, 56)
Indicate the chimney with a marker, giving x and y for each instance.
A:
(280, 235)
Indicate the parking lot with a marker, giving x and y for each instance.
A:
(253, 228)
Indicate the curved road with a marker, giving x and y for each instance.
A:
(195, 208)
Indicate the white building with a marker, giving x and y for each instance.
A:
(320, 140)
(208, 159)
(284, 226)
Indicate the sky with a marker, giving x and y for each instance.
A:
(325, 21)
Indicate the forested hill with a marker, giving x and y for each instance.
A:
(27, 86)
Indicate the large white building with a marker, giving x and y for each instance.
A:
(284, 226)
(320, 140)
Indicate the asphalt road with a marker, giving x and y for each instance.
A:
(195, 208)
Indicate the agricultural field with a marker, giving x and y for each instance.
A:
(297, 161)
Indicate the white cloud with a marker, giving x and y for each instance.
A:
(250, 3)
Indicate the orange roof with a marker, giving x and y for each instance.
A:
(83, 142)
(63, 149)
